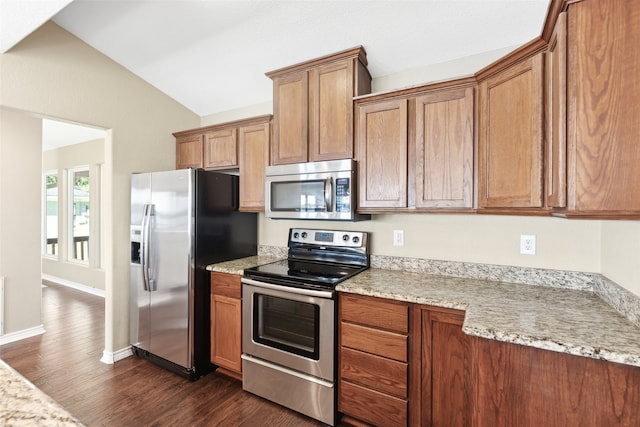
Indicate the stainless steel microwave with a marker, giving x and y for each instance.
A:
(317, 190)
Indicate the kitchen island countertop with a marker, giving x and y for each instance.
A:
(22, 404)
(565, 320)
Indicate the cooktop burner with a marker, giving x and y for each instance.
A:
(316, 259)
(320, 274)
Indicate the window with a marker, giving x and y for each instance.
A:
(51, 214)
(79, 226)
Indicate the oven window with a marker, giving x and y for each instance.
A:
(288, 325)
(298, 196)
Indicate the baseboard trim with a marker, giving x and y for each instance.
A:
(21, 335)
(110, 357)
(74, 285)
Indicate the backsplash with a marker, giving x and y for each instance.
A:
(624, 301)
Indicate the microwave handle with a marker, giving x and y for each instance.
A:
(328, 193)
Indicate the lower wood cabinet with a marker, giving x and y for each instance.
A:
(226, 323)
(440, 368)
(373, 359)
(404, 364)
(517, 385)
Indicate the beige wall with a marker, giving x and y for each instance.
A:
(485, 239)
(621, 253)
(89, 154)
(53, 74)
(20, 202)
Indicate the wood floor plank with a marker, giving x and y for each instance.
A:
(64, 362)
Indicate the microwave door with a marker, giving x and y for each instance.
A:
(302, 196)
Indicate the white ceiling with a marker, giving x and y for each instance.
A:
(211, 55)
(56, 134)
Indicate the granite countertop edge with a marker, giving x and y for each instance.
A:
(563, 320)
(237, 266)
(575, 322)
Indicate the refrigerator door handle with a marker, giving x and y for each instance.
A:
(146, 229)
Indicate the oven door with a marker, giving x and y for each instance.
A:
(291, 327)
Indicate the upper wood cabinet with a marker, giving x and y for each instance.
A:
(208, 148)
(444, 149)
(254, 157)
(415, 149)
(382, 154)
(221, 149)
(556, 116)
(239, 145)
(510, 137)
(189, 151)
(313, 107)
(290, 120)
(603, 153)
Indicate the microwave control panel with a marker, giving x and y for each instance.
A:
(343, 195)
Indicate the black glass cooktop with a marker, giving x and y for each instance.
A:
(303, 273)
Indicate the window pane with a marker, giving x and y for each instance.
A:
(51, 223)
(80, 216)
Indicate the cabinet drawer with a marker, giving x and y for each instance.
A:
(374, 341)
(372, 406)
(226, 284)
(378, 373)
(376, 312)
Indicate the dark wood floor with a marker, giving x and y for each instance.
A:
(65, 363)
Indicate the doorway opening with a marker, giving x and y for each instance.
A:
(72, 165)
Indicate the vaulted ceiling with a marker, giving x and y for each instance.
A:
(211, 55)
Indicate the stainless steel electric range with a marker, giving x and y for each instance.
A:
(289, 320)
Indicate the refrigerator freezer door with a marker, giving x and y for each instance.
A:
(171, 247)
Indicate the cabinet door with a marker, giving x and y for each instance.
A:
(382, 154)
(604, 108)
(446, 366)
(517, 385)
(444, 149)
(226, 332)
(254, 156)
(189, 152)
(220, 149)
(290, 117)
(510, 137)
(331, 94)
(556, 115)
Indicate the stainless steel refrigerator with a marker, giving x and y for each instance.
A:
(181, 221)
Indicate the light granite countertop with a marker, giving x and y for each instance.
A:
(22, 404)
(568, 312)
(237, 266)
(565, 320)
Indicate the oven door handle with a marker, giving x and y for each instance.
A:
(290, 289)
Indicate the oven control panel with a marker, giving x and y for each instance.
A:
(351, 239)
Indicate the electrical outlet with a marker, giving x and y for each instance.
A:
(528, 244)
(398, 237)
